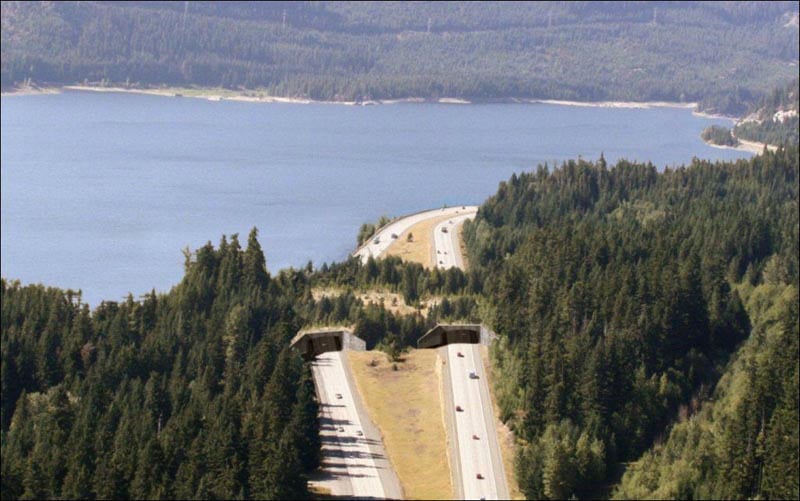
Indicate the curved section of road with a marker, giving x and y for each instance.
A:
(476, 451)
(380, 242)
(446, 242)
(354, 462)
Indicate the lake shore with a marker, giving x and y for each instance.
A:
(744, 145)
(261, 96)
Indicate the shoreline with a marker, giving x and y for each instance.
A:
(744, 145)
(260, 96)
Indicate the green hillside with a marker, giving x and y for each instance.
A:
(722, 54)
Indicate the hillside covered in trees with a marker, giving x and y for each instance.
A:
(722, 54)
(623, 295)
(190, 394)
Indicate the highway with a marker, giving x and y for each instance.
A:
(353, 465)
(384, 236)
(447, 244)
(473, 456)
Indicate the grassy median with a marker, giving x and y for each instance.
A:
(420, 248)
(405, 404)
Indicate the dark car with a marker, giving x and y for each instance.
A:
(459, 409)
(479, 476)
(460, 354)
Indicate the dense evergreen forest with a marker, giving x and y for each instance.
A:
(622, 295)
(190, 394)
(724, 55)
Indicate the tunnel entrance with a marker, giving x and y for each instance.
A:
(313, 343)
(444, 334)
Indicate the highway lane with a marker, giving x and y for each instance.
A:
(384, 236)
(446, 244)
(351, 462)
(481, 455)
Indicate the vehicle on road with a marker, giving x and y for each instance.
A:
(376, 241)
(459, 409)
(441, 262)
(339, 396)
(475, 437)
(360, 433)
(341, 429)
(444, 229)
(460, 355)
(394, 235)
(473, 375)
(479, 476)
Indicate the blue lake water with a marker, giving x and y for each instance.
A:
(100, 192)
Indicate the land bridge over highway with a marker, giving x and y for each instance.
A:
(313, 343)
(354, 461)
(477, 465)
(444, 334)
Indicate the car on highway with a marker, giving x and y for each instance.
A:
(460, 355)
(441, 262)
(339, 396)
(459, 409)
(360, 433)
(475, 437)
(473, 375)
(479, 476)
(394, 235)
(341, 429)
(376, 241)
(444, 229)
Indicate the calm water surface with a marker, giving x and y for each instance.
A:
(100, 192)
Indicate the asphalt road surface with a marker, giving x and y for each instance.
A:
(447, 244)
(477, 449)
(381, 241)
(353, 464)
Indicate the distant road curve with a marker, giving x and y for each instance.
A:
(377, 245)
(447, 245)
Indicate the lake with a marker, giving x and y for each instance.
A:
(101, 191)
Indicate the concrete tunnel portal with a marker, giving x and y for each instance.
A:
(444, 334)
(316, 342)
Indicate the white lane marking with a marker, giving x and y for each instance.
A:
(475, 455)
(357, 457)
(447, 249)
(398, 227)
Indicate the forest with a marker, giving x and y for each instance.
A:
(723, 55)
(192, 393)
(648, 347)
(623, 296)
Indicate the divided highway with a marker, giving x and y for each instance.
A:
(381, 241)
(446, 242)
(478, 471)
(355, 463)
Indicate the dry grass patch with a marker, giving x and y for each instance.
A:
(392, 301)
(505, 436)
(420, 249)
(406, 406)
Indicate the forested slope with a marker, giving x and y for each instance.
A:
(190, 394)
(722, 54)
(614, 292)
